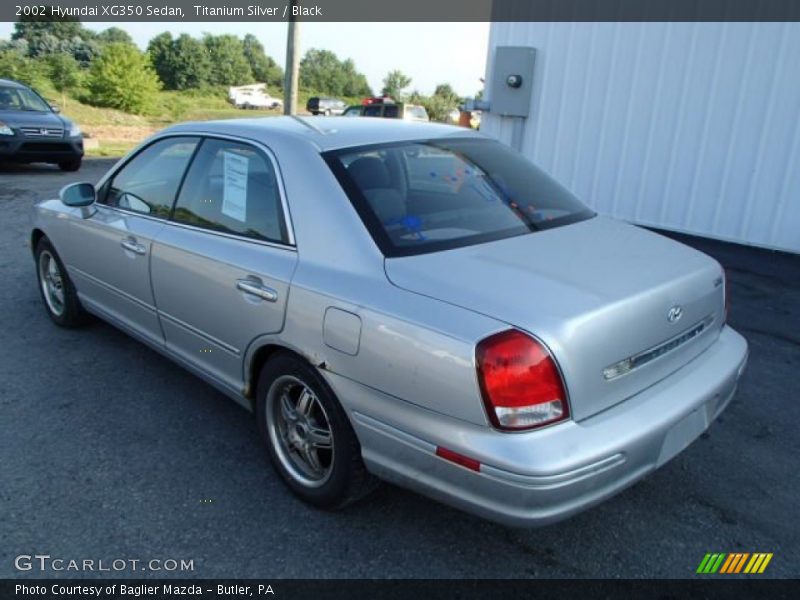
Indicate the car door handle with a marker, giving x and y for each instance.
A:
(248, 286)
(133, 246)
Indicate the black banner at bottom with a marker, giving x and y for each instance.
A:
(241, 589)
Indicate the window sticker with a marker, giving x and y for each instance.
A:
(234, 192)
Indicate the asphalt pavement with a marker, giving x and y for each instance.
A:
(110, 451)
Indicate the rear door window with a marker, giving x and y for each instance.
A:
(232, 188)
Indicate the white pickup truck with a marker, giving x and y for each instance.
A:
(253, 96)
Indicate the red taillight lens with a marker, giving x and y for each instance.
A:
(520, 383)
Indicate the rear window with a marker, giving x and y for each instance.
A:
(425, 196)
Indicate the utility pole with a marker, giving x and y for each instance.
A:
(292, 64)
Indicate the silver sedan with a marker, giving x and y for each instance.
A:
(401, 301)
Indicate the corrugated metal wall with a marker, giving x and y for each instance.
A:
(687, 126)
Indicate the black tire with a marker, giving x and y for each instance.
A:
(347, 478)
(67, 311)
(70, 165)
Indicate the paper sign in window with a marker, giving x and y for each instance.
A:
(234, 191)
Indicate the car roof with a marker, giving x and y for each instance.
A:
(12, 83)
(332, 133)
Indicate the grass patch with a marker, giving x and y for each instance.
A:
(117, 132)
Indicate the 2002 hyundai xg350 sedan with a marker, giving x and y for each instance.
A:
(411, 302)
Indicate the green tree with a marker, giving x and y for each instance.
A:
(394, 83)
(160, 51)
(47, 37)
(121, 77)
(438, 107)
(114, 35)
(446, 91)
(355, 83)
(65, 74)
(16, 65)
(264, 68)
(190, 65)
(229, 65)
(31, 28)
(321, 71)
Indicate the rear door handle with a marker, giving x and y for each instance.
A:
(253, 288)
(133, 246)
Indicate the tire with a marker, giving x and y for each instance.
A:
(70, 165)
(56, 288)
(308, 435)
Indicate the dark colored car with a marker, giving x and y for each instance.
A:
(388, 110)
(32, 131)
(325, 106)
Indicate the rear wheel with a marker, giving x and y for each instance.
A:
(55, 286)
(70, 165)
(308, 436)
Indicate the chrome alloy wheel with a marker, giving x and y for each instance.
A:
(300, 431)
(52, 282)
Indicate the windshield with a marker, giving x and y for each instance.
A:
(14, 98)
(417, 197)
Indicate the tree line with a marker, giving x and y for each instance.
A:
(107, 69)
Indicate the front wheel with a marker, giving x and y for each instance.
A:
(308, 436)
(55, 286)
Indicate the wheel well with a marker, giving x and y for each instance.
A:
(262, 355)
(36, 235)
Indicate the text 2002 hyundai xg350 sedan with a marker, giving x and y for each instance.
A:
(411, 302)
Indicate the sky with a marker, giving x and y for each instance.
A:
(429, 53)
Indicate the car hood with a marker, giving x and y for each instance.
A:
(596, 293)
(27, 118)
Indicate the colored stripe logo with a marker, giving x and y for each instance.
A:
(734, 562)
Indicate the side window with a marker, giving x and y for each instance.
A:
(149, 182)
(391, 111)
(232, 188)
(373, 110)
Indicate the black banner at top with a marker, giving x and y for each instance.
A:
(402, 10)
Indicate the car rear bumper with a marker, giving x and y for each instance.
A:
(52, 150)
(535, 478)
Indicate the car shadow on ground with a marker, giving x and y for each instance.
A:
(26, 168)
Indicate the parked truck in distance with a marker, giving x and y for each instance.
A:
(253, 96)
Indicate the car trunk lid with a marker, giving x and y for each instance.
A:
(619, 307)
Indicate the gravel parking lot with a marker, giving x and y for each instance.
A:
(111, 451)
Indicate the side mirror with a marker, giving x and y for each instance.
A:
(78, 194)
(55, 108)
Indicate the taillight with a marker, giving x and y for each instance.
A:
(520, 383)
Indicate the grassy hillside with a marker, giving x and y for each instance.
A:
(115, 132)
(112, 132)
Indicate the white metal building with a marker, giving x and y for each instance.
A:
(693, 127)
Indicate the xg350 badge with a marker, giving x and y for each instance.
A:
(674, 314)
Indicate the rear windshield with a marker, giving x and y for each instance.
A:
(425, 196)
